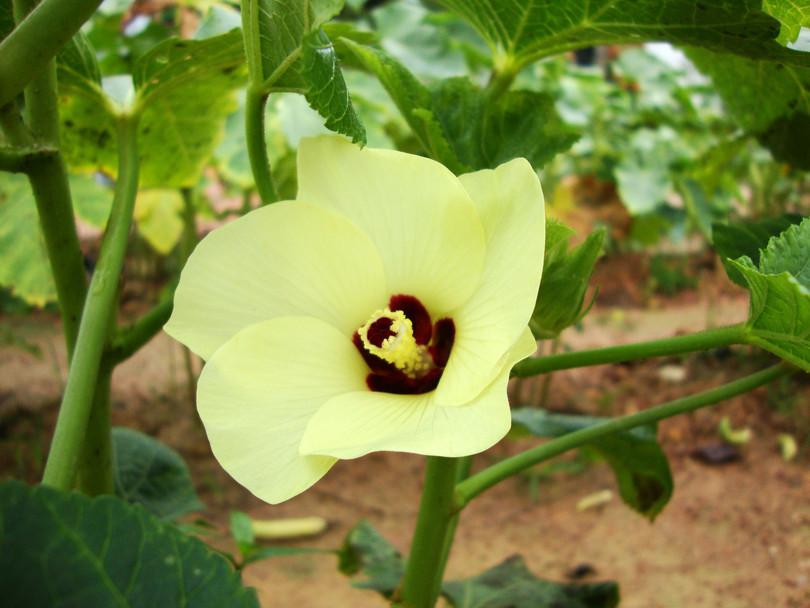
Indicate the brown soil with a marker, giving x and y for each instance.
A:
(733, 536)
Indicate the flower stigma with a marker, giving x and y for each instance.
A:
(406, 352)
(389, 335)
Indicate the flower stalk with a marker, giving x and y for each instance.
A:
(432, 537)
(491, 476)
(677, 345)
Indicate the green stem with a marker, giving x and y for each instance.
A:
(96, 318)
(255, 101)
(26, 51)
(21, 159)
(431, 538)
(482, 481)
(49, 183)
(677, 345)
(130, 339)
(96, 460)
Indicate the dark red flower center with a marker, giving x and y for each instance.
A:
(435, 341)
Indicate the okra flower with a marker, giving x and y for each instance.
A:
(380, 310)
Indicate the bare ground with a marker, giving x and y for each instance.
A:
(733, 536)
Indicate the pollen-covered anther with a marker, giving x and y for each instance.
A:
(389, 335)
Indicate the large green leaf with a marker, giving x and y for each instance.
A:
(24, 265)
(65, 550)
(566, 274)
(781, 119)
(459, 126)
(366, 551)
(519, 31)
(510, 584)
(779, 316)
(747, 238)
(183, 90)
(640, 465)
(287, 50)
(150, 473)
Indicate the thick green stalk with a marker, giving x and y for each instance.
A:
(677, 345)
(423, 574)
(255, 101)
(28, 49)
(96, 460)
(49, 183)
(483, 480)
(97, 315)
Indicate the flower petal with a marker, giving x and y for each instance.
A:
(510, 205)
(290, 258)
(417, 213)
(257, 393)
(354, 424)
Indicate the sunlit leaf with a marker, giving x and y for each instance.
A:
(779, 315)
(61, 549)
(747, 238)
(183, 89)
(793, 14)
(638, 462)
(24, 263)
(158, 217)
(510, 584)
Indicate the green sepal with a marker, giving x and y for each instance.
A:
(566, 275)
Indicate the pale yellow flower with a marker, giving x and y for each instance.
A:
(381, 310)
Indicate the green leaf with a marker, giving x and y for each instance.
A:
(779, 314)
(484, 135)
(276, 29)
(91, 199)
(510, 584)
(780, 119)
(287, 50)
(561, 296)
(62, 549)
(366, 551)
(150, 473)
(157, 213)
(459, 126)
(326, 90)
(24, 265)
(793, 14)
(77, 67)
(520, 31)
(638, 462)
(183, 90)
(747, 238)
(241, 528)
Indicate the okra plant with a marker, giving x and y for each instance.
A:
(394, 277)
